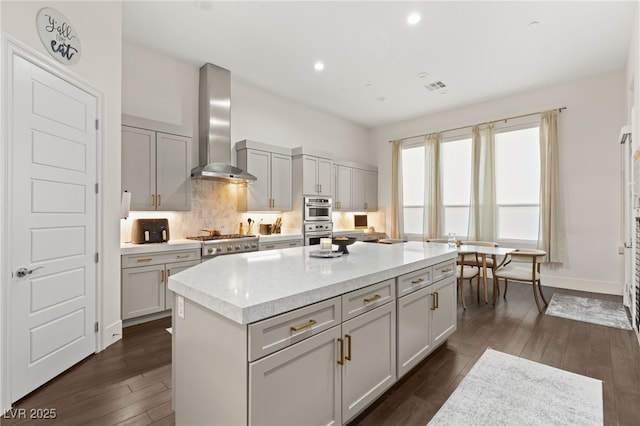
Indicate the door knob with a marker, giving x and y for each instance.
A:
(23, 272)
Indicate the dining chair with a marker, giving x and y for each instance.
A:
(467, 270)
(491, 261)
(522, 265)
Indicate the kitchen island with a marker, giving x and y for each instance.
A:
(283, 337)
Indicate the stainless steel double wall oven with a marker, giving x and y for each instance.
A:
(317, 219)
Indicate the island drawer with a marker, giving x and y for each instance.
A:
(368, 298)
(146, 259)
(272, 334)
(413, 281)
(444, 269)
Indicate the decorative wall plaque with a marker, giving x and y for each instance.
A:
(58, 36)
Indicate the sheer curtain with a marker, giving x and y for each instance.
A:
(482, 216)
(432, 187)
(397, 227)
(549, 238)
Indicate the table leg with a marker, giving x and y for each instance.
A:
(484, 278)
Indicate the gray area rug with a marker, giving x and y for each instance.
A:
(502, 389)
(594, 311)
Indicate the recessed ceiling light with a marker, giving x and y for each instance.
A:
(368, 85)
(318, 66)
(413, 19)
(422, 74)
(381, 99)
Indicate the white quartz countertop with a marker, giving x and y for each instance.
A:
(279, 237)
(249, 287)
(130, 248)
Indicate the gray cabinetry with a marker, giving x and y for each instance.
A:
(280, 244)
(356, 187)
(314, 170)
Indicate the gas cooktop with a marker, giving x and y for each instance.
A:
(219, 237)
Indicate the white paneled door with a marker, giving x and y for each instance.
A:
(52, 225)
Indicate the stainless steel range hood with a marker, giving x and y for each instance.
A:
(214, 116)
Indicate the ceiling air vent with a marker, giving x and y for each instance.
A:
(435, 86)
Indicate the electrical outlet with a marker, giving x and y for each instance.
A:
(180, 307)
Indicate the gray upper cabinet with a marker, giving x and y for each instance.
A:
(356, 187)
(343, 179)
(271, 165)
(156, 169)
(315, 171)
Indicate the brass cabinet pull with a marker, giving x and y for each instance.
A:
(372, 299)
(341, 359)
(293, 244)
(447, 270)
(270, 246)
(433, 302)
(168, 273)
(303, 326)
(348, 339)
(159, 200)
(161, 276)
(437, 300)
(146, 259)
(418, 281)
(182, 256)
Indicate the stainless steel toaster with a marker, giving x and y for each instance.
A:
(150, 231)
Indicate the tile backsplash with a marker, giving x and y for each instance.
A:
(213, 205)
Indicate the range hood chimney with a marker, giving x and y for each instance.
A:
(214, 117)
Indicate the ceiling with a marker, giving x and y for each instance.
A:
(376, 64)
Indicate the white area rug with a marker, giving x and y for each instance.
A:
(594, 311)
(502, 389)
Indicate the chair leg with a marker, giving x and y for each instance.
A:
(478, 288)
(535, 296)
(461, 289)
(506, 284)
(542, 294)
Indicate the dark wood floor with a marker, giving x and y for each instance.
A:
(130, 382)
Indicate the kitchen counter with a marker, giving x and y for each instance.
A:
(130, 248)
(249, 287)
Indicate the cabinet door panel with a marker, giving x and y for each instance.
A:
(325, 169)
(259, 165)
(143, 291)
(358, 190)
(444, 318)
(414, 329)
(299, 385)
(372, 367)
(139, 166)
(173, 183)
(371, 190)
(343, 188)
(172, 269)
(309, 175)
(281, 182)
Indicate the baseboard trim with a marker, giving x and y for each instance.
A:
(111, 334)
(146, 318)
(568, 283)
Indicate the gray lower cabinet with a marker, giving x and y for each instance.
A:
(144, 288)
(281, 244)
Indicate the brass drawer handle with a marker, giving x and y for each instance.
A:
(303, 326)
(372, 299)
(270, 246)
(161, 276)
(437, 300)
(153, 200)
(293, 244)
(348, 339)
(146, 259)
(447, 270)
(433, 302)
(341, 359)
(418, 281)
(159, 200)
(183, 256)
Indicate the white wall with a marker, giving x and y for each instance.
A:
(589, 169)
(161, 88)
(99, 25)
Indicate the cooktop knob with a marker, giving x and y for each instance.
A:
(210, 250)
(237, 246)
(229, 248)
(218, 249)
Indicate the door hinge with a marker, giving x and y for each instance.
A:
(97, 257)
(97, 187)
(97, 124)
(96, 327)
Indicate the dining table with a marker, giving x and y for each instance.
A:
(483, 252)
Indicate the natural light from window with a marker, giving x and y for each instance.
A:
(455, 166)
(413, 189)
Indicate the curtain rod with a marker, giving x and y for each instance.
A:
(486, 122)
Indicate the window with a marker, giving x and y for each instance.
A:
(455, 172)
(517, 171)
(413, 189)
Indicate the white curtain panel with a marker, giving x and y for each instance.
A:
(432, 187)
(397, 227)
(549, 237)
(482, 214)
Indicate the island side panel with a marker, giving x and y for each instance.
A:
(210, 368)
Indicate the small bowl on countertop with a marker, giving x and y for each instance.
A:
(343, 242)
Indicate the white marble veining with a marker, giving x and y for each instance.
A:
(248, 287)
(130, 248)
(279, 237)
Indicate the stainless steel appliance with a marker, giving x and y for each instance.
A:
(150, 231)
(313, 231)
(218, 245)
(317, 209)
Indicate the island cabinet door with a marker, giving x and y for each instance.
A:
(299, 385)
(370, 358)
(444, 316)
(414, 328)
